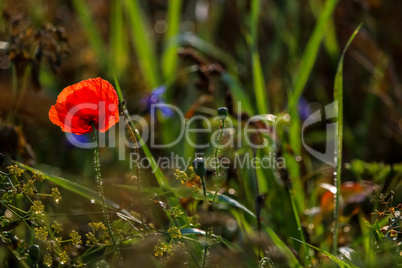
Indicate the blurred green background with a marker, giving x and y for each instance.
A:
(274, 57)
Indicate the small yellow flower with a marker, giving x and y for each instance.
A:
(174, 232)
(191, 174)
(97, 226)
(91, 238)
(63, 257)
(176, 212)
(57, 227)
(47, 260)
(38, 176)
(15, 170)
(76, 238)
(56, 195)
(193, 221)
(57, 240)
(27, 188)
(41, 233)
(37, 207)
(181, 175)
(161, 248)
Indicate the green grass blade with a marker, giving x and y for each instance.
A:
(338, 99)
(330, 41)
(310, 54)
(238, 92)
(91, 30)
(169, 57)
(118, 40)
(246, 228)
(78, 189)
(338, 261)
(293, 262)
(192, 231)
(160, 177)
(118, 89)
(208, 49)
(258, 76)
(143, 46)
(368, 243)
(226, 199)
(305, 67)
(299, 226)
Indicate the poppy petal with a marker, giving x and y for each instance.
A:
(92, 101)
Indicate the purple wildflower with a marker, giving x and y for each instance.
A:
(304, 109)
(156, 98)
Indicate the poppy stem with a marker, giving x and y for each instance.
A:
(102, 195)
(217, 166)
(207, 233)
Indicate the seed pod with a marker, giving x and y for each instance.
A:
(223, 113)
(34, 252)
(199, 166)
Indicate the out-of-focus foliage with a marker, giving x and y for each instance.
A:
(276, 58)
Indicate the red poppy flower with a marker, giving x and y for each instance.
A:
(92, 101)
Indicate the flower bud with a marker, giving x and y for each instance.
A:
(199, 166)
(223, 113)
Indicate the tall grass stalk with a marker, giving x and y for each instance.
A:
(143, 45)
(119, 48)
(91, 30)
(299, 226)
(338, 98)
(169, 57)
(304, 70)
(258, 76)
